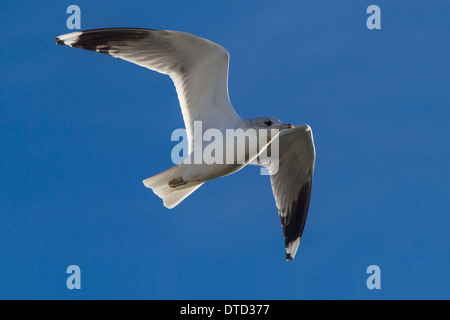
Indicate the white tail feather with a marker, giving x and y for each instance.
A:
(171, 196)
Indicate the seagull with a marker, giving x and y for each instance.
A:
(199, 69)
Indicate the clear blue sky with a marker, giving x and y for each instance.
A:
(79, 131)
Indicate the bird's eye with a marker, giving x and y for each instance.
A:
(268, 123)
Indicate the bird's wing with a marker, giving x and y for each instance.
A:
(198, 67)
(291, 180)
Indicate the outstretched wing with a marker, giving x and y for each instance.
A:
(198, 67)
(291, 184)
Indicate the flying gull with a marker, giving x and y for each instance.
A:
(199, 70)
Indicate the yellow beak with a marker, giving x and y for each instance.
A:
(287, 126)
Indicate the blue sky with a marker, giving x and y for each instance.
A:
(79, 131)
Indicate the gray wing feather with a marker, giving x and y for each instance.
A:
(291, 184)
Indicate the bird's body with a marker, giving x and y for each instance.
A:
(199, 70)
(234, 148)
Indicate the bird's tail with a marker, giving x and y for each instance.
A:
(170, 187)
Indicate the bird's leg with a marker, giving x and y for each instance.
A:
(176, 182)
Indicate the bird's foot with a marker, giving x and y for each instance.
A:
(176, 182)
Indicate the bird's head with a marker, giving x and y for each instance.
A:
(271, 126)
(270, 123)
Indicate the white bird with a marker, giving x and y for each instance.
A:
(199, 70)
